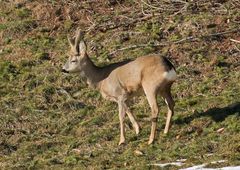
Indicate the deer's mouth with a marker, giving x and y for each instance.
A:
(65, 71)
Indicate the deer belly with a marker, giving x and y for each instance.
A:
(130, 83)
(132, 88)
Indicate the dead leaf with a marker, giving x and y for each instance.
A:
(138, 152)
(220, 130)
(178, 137)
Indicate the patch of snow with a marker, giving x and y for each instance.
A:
(178, 162)
(167, 164)
(220, 161)
(231, 168)
(201, 167)
(197, 167)
(181, 160)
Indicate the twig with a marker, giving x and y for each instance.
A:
(61, 90)
(180, 1)
(143, 12)
(155, 8)
(236, 41)
(152, 45)
(134, 46)
(237, 48)
(93, 24)
(151, 6)
(221, 33)
(174, 42)
(111, 25)
(184, 8)
(184, 39)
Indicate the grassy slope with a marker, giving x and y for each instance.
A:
(51, 120)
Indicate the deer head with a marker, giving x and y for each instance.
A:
(77, 53)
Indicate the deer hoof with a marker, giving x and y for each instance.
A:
(150, 141)
(165, 131)
(121, 142)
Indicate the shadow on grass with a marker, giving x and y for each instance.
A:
(217, 114)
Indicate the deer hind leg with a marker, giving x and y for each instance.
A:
(132, 119)
(170, 104)
(151, 97)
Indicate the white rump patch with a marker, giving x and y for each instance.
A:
(170, 75)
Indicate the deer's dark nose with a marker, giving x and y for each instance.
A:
(65, 71)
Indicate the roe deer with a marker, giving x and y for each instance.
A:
(153, 73)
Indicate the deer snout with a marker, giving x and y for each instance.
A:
(64, 71)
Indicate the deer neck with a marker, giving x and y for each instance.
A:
(91, 72)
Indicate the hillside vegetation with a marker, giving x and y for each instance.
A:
(50, 120)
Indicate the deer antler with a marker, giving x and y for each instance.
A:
(79, 36)
(74, 42)
(71, 41)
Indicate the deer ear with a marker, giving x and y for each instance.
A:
(82, 48)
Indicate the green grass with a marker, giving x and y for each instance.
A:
(49, 120)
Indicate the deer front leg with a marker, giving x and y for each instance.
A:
(122, 113)
(154, 111)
